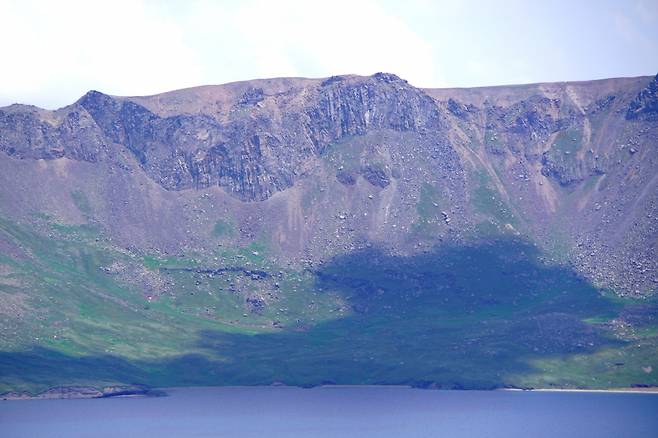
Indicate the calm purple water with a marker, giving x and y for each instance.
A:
(337, 412)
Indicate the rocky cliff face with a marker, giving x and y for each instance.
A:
(251, 155)
(645, 105)
(322, 167)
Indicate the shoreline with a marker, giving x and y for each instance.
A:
(639, 390)
(85, 392)
(79, 392)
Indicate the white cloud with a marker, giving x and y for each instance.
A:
(59, 50)
(55, 51)
(336, 37)
(647, 10)
(293, 38)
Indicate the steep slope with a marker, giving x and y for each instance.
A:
(226, 220)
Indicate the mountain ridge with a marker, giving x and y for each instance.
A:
(251, 82)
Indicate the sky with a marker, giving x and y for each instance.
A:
(52, 52)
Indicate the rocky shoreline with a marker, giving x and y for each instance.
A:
(78, 392)
(89, 392)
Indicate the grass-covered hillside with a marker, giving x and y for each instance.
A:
(494, 313)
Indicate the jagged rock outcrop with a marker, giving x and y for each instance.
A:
(383, 102)
(24, 133)
(251, 157)
(645, 105)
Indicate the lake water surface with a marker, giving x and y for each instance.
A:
(337, 412)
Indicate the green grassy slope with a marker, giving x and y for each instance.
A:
(78, 310)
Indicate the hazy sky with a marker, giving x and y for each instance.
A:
(52, 52)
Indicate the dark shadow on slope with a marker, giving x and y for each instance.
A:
(457, 317)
